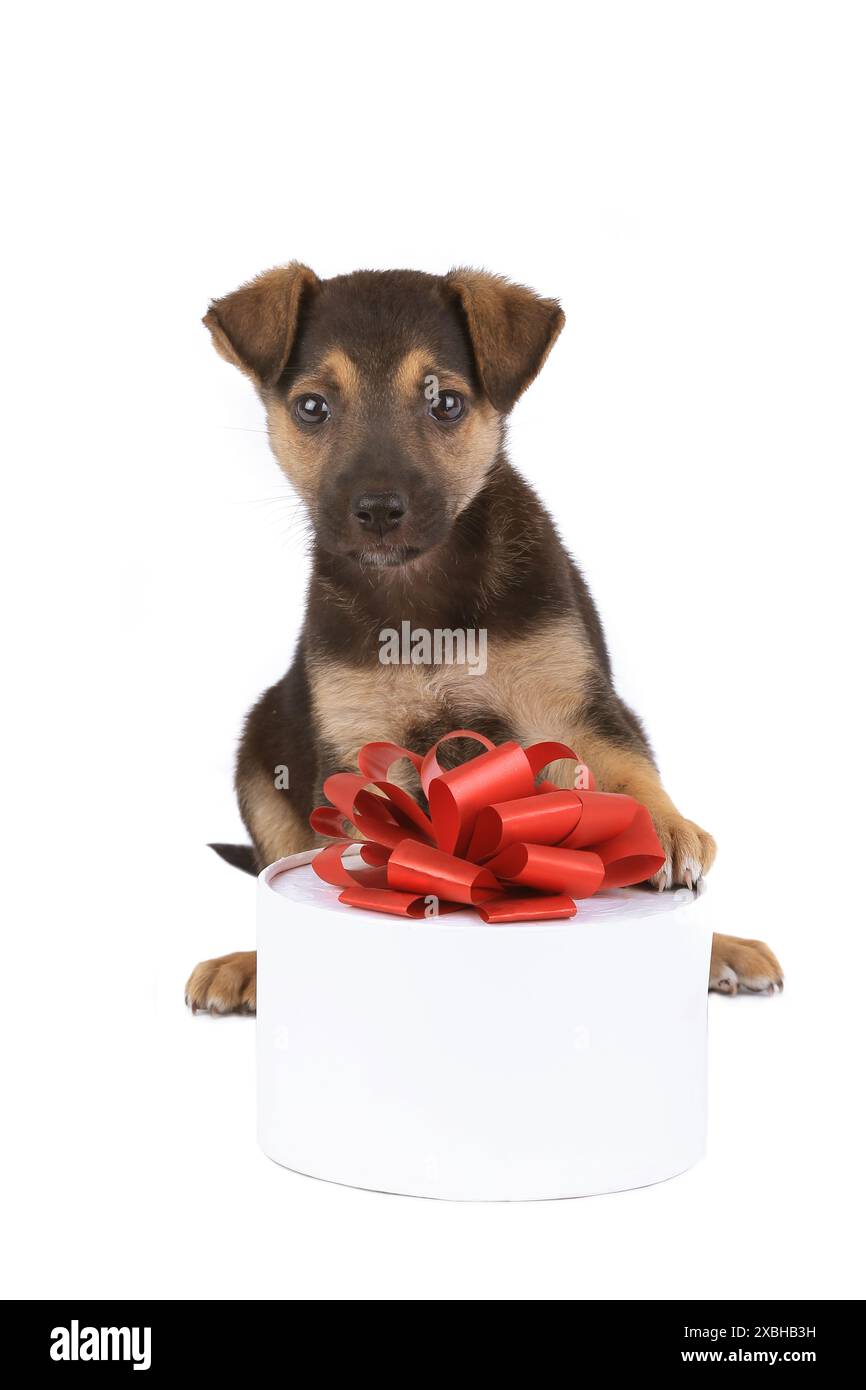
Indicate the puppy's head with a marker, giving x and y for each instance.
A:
(385, 392)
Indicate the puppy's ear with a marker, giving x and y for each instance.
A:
(512, 330)
(254, 327)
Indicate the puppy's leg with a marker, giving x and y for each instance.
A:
(271, 816)
(749, 966)
(612, 742)
(689, 850)
(276, 740)
(610, 739)
(226, 985)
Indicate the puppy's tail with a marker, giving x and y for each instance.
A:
(239, 856)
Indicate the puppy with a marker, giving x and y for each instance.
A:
(386, 395)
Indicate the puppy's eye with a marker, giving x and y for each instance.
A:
(312, 409)
(448, 408)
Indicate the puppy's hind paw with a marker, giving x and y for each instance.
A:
(744, 966)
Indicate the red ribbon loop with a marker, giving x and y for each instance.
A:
(496, 839)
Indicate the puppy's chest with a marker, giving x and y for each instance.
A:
(530, 688)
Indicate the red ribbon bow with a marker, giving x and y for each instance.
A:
(494, 840)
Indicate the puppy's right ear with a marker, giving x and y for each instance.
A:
(254, 328)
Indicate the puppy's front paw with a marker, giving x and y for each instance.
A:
(749, 966)
(226, 985)
(689, 852)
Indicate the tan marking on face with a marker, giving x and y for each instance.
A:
(466, 451)
(412, 371)
(336, 378)
(298, 452)
(271, 819)
(338, 369)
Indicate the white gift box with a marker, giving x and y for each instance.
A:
(451, 1058)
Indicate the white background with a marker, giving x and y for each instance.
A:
(688, 179)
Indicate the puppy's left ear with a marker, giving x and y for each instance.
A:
(512, 330)
(254, 327)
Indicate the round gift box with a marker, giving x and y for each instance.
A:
(446, 1057)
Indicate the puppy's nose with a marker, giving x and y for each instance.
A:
(379, 511)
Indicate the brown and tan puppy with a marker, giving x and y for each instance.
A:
(386, 395)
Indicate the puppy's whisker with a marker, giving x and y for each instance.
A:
(242, 429)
